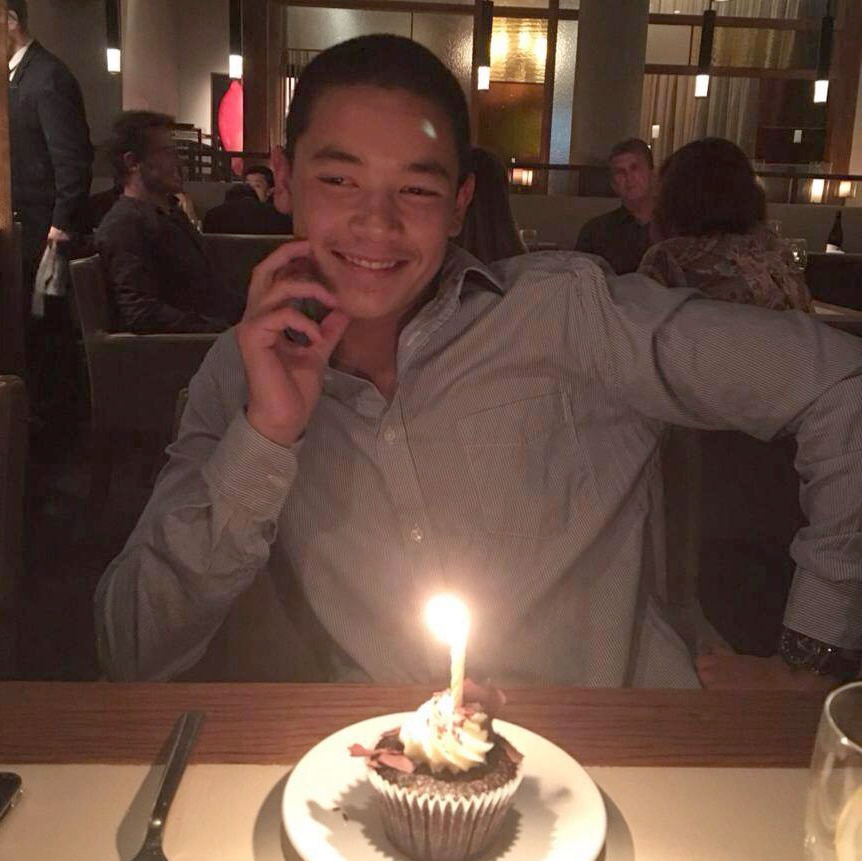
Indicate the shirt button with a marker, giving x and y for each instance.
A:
(416, 534)
(390, 435)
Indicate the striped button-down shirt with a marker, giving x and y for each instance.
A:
(516, 464)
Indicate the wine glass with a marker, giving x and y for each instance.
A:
(774, 226)
(799, 250)
(529, 237)
(833, 822)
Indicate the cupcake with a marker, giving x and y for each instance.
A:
(445, 779)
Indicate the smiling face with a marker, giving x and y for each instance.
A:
(631, 178)
(374, 187)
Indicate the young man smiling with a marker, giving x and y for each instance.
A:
(450, 426)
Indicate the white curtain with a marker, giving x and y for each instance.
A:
(747, 8)
(731, 109)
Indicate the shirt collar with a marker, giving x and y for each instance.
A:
(16, 58)
(460, 275)
(463, 273)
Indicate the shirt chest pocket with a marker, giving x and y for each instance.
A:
(525, 463)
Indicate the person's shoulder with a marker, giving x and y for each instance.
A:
(550, 274)
(126, 214)
(49, 66)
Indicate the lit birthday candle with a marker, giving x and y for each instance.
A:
(449, 621)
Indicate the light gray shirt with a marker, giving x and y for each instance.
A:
(517, 464)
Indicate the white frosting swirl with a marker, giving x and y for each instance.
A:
(442, 738)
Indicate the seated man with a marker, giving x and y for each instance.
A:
(492, 431)
(261, 180)
(158, 275)
(623, 235)
(248, 208)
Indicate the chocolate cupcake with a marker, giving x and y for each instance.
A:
(444, 780)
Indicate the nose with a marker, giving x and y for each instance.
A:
(377, 215)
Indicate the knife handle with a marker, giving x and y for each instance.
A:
(185, 735)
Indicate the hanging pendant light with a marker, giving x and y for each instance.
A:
(824, 59)
(235, 59)
(114, 41)
(704, 61)
(483, 55)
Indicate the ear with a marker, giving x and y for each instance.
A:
(462, 200)
(281, 193)
(130, 161)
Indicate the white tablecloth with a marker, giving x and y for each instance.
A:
(233, 813)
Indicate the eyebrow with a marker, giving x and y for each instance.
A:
(429, 167)
(332, 153)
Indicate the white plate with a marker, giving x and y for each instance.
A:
(329, 813)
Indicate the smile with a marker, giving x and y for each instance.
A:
(367, 263)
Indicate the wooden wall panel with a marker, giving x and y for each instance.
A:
(255, 49)
(11, 313)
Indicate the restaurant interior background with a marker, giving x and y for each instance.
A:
(554, 102)
(764, 61)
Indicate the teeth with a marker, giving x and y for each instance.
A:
(370, 264)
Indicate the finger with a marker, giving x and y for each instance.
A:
(280, 292)
(263, 274)
(266, 327)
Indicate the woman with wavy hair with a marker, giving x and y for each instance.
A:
(711, 216)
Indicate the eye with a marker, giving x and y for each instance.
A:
(338, 181)
(420, 191)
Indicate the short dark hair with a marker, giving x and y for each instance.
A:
(632, 146)
(389, 62)
(263, 170)
(19, 7)
(131, 133)
(708, 186)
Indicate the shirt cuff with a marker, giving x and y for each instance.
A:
(828, 611)
(251, 470)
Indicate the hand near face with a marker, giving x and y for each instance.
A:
(284, 378)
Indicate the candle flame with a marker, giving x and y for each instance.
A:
(448, 618)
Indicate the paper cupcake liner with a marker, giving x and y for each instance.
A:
(430, 827)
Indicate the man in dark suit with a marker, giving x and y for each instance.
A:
(52, 157)
(52, 162)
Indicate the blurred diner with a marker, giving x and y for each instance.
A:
(248, 208)
(711, 215)
(622, 236)
(158, 275)
(490, 232)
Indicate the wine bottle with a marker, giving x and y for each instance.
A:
(835, 241)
